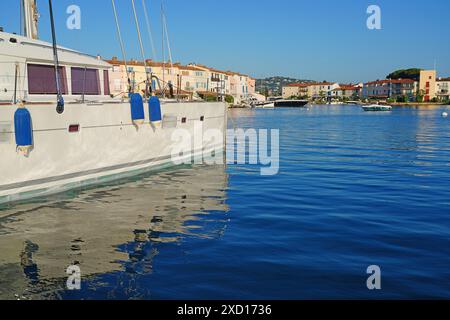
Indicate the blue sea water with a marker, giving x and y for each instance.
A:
(354, 189)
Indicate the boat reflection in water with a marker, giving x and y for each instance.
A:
(118, 227)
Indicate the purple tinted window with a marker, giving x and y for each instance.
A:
(85, 81)
(42, 80)
(106, 90)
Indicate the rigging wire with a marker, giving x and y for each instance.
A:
(166, 32)
(60, 99)
(163, 49)
(122, 47)
(149, 30)
(22, 24)
(142, 48)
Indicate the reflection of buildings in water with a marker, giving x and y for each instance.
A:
(110, 228)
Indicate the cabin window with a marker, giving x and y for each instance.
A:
(85, 81)
(42, 80)
(106, 90)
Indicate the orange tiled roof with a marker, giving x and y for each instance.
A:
(347, 87)
(193, 67)
(390, 81)
(190, 68)
(300, 85)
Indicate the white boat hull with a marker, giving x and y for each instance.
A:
(106, 147)
(376, 107)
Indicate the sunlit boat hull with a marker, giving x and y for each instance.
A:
(106, 146)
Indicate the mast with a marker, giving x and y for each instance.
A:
(30, 17)
(163, 52)
(138, 28)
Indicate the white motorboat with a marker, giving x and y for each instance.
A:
(377, 107)
(268, 105)
(61, 129)
(265, 105)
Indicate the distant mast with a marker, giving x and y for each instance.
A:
(30, 17)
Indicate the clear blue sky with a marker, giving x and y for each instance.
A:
(319, 40)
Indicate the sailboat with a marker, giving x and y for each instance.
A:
(61, 129)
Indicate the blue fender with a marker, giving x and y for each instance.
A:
(23, 128)
(154, 106)
(137, 108)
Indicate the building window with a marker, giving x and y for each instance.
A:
(85, 81)
(117, 85)
(42, 79)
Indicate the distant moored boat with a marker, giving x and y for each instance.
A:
(291, 103)
(377, 107)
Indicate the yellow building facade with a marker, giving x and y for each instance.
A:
(427, 84)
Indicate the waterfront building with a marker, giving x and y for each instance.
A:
(217, 80)
(295, 90)
(119, 79)
(226, 83)
(236, 87)
(442, 89)
(193, 79)
(348, 91)
(251, 84)
(166, 73)
(427, 84)
(187, 80)
(385, 89)
(242, 87)
(322, 89)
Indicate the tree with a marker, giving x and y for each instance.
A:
(412, 73)
(420, 95)
(402, 99)
(229, 99)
